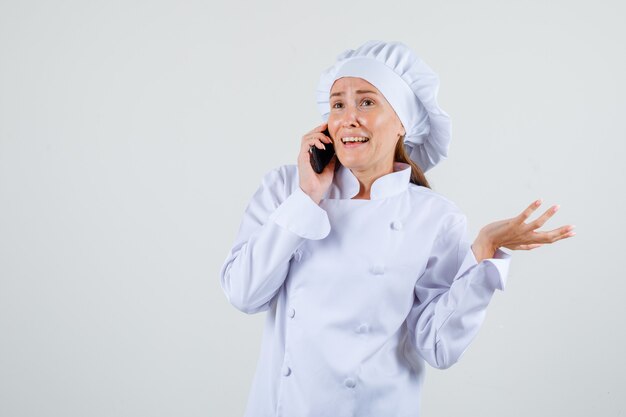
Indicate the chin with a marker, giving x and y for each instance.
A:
(352, 163)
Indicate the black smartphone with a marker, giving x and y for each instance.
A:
(321, 157)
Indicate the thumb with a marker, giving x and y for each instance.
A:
(333, 162)
(330, 166)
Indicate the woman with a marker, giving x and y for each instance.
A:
(364, 272)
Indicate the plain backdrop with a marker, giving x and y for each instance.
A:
(133, 134)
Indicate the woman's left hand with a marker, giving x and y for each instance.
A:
(516, 234)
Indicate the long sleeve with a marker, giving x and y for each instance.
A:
(275, 223)
(452, 296)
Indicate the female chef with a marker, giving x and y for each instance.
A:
(363, 270)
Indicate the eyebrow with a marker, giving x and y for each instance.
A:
(340, 93)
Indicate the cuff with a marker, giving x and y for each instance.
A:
(494, 270)
(468, 262)
(302, 216)
(498, 268)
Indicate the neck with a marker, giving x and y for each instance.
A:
(367, 177)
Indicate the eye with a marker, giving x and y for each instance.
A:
(367, 102)
(337, 105)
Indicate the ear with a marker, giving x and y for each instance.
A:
(402, 130)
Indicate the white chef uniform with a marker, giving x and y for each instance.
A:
(358, 293)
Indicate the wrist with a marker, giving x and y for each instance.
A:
(484, 248)
(316, 199)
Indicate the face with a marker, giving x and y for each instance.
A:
(363, 125)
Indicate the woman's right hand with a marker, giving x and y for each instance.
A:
(312, 183)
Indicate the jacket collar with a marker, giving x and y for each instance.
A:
(345, 185)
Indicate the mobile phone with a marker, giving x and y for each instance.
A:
(321, 157)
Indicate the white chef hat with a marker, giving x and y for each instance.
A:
(408, 84)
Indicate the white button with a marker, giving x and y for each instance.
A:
(350, 383)
(377, 269)
(286, 370)
(396, 225)
(291, 312)
(363, 328)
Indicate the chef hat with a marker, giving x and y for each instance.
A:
(408, 84)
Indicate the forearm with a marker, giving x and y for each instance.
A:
(449, 322)
(258, 264)
(255, 270)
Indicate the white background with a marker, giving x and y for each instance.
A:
(132, 135)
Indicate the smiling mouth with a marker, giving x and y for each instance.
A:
(354, 139)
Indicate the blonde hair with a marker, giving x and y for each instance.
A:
(417, 175)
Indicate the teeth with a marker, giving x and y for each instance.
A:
(355, 139)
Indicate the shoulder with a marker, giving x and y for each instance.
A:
(275, 186)
(433, 199)
(437, 207)
(281, 175)
(280, 181)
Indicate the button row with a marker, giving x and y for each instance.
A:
(377, 269)
(348, 382)
(363, 328)
(396, 225)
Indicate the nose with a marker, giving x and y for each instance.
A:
(349, 118)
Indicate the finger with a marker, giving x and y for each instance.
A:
(331, 164)
(531, 246)
(554, 235)
(524, 246)
(309, 141)
(317, 143)
(540, 221)
(310, 138)
(528, 211)
(323, 137)
(319, 128)
(326, 139)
